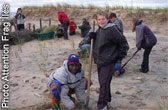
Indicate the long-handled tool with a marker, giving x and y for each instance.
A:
(130, 59)
(90, 69)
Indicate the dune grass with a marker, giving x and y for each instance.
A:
(90, 6)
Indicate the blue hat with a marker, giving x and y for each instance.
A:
(73, 59)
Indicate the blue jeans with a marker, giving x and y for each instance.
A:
(85, 48)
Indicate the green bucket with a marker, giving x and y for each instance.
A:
(45, 36)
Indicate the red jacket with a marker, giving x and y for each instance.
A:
(62, 17)
(72, 26)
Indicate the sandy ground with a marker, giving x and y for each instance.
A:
(32, 61)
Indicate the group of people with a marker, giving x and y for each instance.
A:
(109, 48)
(67, 23)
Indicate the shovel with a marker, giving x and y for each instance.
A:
(90, 69)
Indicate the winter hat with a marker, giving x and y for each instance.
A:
(73, 59)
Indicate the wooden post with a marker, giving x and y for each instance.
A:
(90, 70)
(49, 22)
(29, 26)
(40, 24)
(34, 28)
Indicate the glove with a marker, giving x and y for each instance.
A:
(92, 35)
(117, 66)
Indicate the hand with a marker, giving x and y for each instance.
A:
(117, 66)
(92, 35)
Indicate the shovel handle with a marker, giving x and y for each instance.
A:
(130, 59)
(90, 69)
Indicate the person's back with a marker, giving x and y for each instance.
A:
(85, 27)
(113, 18)
(72, 28)
(119, 23)
(144, 32)
(62, 17)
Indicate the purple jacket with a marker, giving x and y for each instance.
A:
(144, 36)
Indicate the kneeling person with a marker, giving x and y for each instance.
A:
(67, 77)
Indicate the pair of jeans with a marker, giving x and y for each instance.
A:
(66, 25)
(105, 74)
(145, 62)
(85, 48)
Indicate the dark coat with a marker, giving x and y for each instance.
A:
(109, 46)
(85, 27)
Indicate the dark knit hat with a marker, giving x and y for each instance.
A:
(73, 59)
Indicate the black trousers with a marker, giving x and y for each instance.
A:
(66, 25)
(20, 27)
(105, 74)
(145, 62)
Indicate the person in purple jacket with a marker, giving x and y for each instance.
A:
(144, 39)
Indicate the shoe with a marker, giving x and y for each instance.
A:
(108, 104)
(143, 70)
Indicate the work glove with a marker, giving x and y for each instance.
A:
(117, 66)
(92, 35)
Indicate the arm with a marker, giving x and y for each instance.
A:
(23, 16)
(80, 89)
(16, 16)
(65, 98)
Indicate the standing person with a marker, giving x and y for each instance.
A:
(113, 18)
(20, 19)
(144, 39)
(85, 27)
(72, 27)
(64, 20)
(65, 80)
(109, 48)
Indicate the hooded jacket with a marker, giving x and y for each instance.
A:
(69, 81)
(62, 17)
(144, 36)
(119, 24)
(72, 26)
(109, 46)
(85, 27)
(20, 18)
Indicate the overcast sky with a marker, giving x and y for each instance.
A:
(14, 4)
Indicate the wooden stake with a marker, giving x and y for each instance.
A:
(90, 70)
